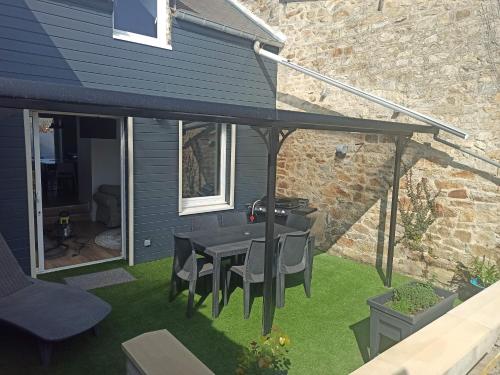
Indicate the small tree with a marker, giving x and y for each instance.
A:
(418, 212)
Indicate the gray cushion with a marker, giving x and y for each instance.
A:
(53, 311)
(12, 277)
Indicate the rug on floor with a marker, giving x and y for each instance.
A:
(100, 279)
(110, 239)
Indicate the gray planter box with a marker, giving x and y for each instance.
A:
(397, 326)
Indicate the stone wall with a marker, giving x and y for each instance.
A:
(437, 57)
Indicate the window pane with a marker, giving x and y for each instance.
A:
(201, 159)
(136, 16)
(47, 143)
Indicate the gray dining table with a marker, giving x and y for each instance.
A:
(225, 242)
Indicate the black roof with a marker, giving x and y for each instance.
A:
(17, 93)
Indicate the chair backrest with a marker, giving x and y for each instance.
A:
(254, 260)
(12, 277)
(205, 222)
(184, 258)
(292, 256)
(299, 222)
(230, 219)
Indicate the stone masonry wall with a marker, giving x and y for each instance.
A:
(439, 57)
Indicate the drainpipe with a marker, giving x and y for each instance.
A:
(353, 90)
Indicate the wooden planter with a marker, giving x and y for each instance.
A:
(397, 326)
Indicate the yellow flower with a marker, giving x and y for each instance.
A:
(284, 340)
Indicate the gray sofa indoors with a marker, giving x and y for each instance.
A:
(51, 312)
(108, 200)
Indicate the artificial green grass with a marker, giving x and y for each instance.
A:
(329, 332)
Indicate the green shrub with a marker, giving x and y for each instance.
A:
(485, 271)
(418, 212)
(409, 299)
(267, 357)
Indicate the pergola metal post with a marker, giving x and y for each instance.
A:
(400, 144)
(269, 300)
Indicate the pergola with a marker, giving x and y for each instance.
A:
(273, 125)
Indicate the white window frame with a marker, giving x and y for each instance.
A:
(189, 206)
(161, 29)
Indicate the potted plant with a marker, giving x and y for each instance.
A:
(404, 310)
(269, 356)
(471, 278)
(483, 273)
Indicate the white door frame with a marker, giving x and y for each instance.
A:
(38, 192)
(32, 142)
(28, 144)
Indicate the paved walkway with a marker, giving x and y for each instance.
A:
(490, 364)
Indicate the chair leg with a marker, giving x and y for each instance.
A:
(173, 287)
(308, 275)
(192, 291)
(280, 290)
(227, 285)
(246, 299)
(45, 349)
(307, 282)
(206, 285)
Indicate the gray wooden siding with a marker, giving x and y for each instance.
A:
(63, 42)
(13, 189)
(70, 42)
(156, 165)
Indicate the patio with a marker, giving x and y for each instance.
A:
(329, 331)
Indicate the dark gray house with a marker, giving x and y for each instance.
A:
(91, 167)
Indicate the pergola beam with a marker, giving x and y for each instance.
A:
(269, 257)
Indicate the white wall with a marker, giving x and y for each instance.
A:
(105, 162)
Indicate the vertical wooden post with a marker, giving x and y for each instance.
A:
(269, 300)
(400, 143)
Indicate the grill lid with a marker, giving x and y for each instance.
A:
(288, 203)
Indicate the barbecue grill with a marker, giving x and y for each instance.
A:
(283, 207)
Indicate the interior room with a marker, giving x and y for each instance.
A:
(80, 182)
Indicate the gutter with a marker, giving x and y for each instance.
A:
(188, 17)
(353, 90)
(278, 35)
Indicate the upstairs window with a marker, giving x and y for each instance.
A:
(206, 161)
(142, 21)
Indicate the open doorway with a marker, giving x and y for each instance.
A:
(79, 188)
